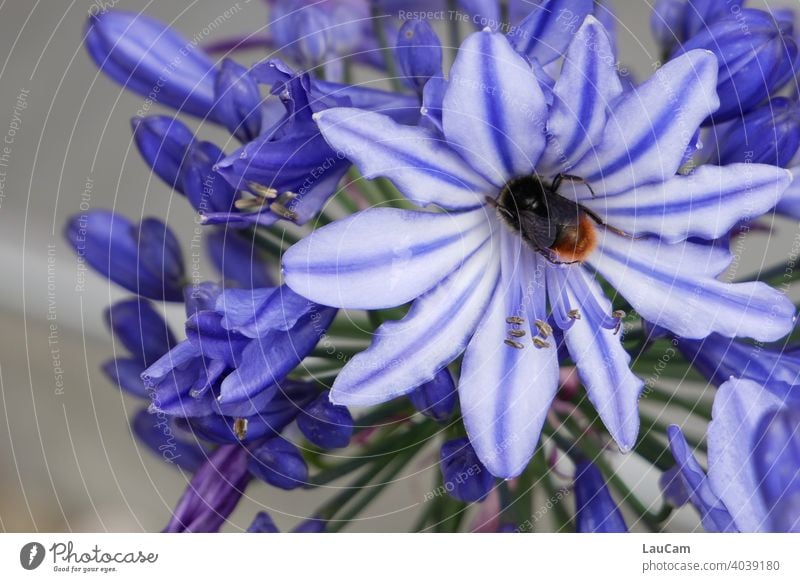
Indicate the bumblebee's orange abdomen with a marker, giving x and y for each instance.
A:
(575, 243)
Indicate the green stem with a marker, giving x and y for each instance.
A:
(453, 25)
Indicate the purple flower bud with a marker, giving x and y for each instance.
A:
(769, 134)
(159, 434)
(676, 21)
(325, 424)
(140, 328)
(262, 523)
(238, 101)
(163, 141)
(279, 463)
(127, 374)
(144, 258)
(776, 455)
(213, 492)
(595, 510)
(149, 58)
(464, 476)
(418, 52)
(436, 398)
(756, 57)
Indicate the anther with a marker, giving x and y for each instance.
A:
(516, 332)
(513, 319)
(618, 314)
(263, 191)
(240, 428)
(574, 314)
(513, 343)
(545, 329)
(540, 343)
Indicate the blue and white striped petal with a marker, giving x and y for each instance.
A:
(738, 407)
(506, 391)
(409, 352)
(674, 286)
(650, 127)
(706, 203)
(382, 257)
(494, 110)
(417, 161)
(584, 92)
(545, 33)
(603, 364)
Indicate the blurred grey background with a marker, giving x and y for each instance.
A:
(67, 459)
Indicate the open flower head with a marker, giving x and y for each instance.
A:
(530, 193)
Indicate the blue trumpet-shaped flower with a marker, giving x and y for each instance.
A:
(720, 358)
(753, 460)
(769, 134)
(290, 171)
(595, 510)
(756, 54)
(143, 258)
(229, 375)
(501, 293)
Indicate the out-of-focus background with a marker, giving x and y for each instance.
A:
(68, 461)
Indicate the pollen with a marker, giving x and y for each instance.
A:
(240, 428)
(545, 329)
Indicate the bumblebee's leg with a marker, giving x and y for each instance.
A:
(550, 256)
(593, 215)
(492, 202)
(570, 178)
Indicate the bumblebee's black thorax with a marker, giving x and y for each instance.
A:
(532, 207)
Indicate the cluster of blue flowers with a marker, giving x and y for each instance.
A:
(493, 256)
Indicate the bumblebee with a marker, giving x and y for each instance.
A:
(558, 228)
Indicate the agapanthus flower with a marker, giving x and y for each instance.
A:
(720, 358)
(463, 475)
(228, 377)
(756, 53)
(674, 21)
(595, 509)
(528, 201)
(753, 482)
(143, 258)
(290, 171)
(146, 336)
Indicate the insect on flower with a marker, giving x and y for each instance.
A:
(553, 225)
